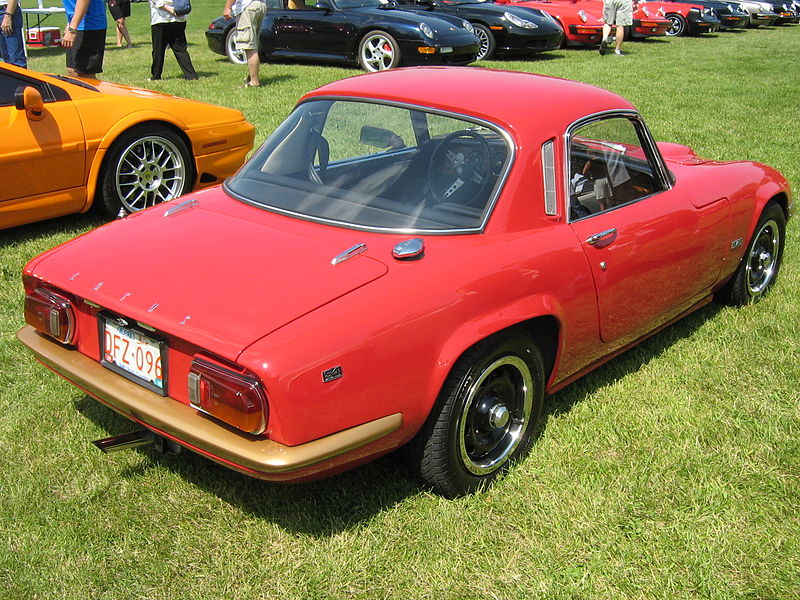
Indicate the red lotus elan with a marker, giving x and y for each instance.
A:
(405, 261)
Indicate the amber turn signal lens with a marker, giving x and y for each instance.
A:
(235, 398)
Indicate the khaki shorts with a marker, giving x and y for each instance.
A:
(248, 26)
(618, 12)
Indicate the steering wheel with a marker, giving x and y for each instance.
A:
(460, 167)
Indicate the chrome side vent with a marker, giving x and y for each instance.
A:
(549, 178)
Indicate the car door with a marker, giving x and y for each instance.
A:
(42, 160)
(306, 29)
(652, 253)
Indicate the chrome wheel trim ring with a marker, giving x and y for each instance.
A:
(676, 27)
(762, 258)
(505, 418)
(151, 170)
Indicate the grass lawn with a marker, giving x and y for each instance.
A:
(671, 472)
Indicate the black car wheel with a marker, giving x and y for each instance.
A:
(484, 418)
(237, 57)
(761, 263)
(487, 43)
(145, 166)
(378, 51)
(678, 25)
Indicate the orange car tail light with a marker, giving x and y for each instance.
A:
(229, 394)
(49, 312)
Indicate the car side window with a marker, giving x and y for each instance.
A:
(8, 86)
(609, 166)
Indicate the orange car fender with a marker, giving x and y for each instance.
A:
(96, 155)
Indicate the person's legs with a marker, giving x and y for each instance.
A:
(122, 33)
(12, 46)
(85, 56)
(179, 47)
(158, 36)
(620, 37)
(248, 27)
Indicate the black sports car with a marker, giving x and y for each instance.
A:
(374, 34)
(501, 29)
(729, 13)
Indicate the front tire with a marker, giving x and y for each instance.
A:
(145, 166)
(484, 418)
(760, 265)
(678, 25)
(487, 44)
(378, 51)
(237, 57)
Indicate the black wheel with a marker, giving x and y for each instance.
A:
(487, 44)
(460, 168)
(378, 51)
(237, 57)
(484, 418)
(678, 25)
(146, 165)
(761, 262)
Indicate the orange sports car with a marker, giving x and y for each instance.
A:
(73, 143)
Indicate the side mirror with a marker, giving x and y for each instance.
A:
(324, 5)
(29, 99)
(377, 137)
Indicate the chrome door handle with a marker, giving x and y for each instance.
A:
(595, 239)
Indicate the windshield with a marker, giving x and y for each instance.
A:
(377, 166)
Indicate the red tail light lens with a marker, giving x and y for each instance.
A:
(233, 397)
(50, 312)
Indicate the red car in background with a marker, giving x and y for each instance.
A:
(582, 26)
(406, 261)
(688, 19)
(648, 20)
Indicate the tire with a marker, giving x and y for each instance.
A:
(761, 262)
(678, 27)
(146, 165)
(237, 57)
(487, 44)
(484, 418)
(378, 51)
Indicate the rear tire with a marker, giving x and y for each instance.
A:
(761, 262)
(484, 418)
(237, 57)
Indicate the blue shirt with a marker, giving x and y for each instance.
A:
(95, 17)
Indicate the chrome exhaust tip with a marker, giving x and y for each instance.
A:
(125, 441)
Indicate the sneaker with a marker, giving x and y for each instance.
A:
(619, 53)
(603, 49)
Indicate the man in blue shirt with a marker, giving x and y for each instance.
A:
(85, 36)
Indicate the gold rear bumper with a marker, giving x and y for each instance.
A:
(254, 455)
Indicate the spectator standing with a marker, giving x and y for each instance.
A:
(617, 13)
(168, 29)
(12, 46)
(248, 15)
(120, 10)
(85, 36)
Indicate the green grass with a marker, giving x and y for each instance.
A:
(671, 472)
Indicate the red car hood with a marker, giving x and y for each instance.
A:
(217, 280)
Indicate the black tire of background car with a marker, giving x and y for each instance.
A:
(487, 45)
(678, 26)
(761, 262)
(499, 363)
(379, 37)
(107, 199)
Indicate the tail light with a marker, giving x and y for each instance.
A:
(231, 395)
(49, 312)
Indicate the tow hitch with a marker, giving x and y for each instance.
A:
(135, 439)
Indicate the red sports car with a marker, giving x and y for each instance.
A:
(405, 261)
(648, 20)
(582, 26)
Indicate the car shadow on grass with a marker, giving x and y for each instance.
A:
(329, 506)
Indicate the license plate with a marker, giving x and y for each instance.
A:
(134, 354)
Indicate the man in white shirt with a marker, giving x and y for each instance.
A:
(248, 14)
